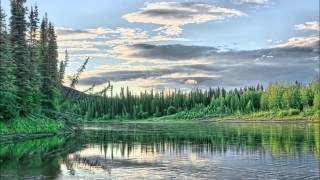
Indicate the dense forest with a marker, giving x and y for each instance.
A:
(292, 98)
(29, 77)
(31, 81)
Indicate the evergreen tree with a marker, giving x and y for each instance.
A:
(44, 64)
(33, 44)
(8, 106)
(62, 67)
(49, 71)
(18, 27)
(316, 101)
(53, 68)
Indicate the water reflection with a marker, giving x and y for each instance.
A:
(169, 151)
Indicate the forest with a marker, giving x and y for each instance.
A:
(283, 98)
(29, 75)
(33, 97)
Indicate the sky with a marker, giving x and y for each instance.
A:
(186, 44)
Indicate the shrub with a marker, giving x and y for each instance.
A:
(171, 110)
(294, 112)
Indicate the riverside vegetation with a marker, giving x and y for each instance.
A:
(280, 101)
(33, 99)
(29, 77)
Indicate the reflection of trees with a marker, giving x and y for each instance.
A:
(43, 157)
(293, 139)
(31, 155)
(35, 157)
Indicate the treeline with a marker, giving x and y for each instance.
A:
(296, 97)
(29, 77)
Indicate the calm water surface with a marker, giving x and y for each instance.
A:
(169, 151)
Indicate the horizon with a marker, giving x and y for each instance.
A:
(185, 45)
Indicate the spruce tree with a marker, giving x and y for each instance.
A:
(44, 64)
(53, 68)
(33, 45)
(48, 55)
(8, 106)
(18, 28)
(62, 67)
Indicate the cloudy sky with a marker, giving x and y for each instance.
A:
(187, 44)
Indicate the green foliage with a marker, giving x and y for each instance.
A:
(33, 45)
(316, 101)
(277, 101)
(171, 110)
(30, 125)
(49, 71)
(19, 53)
(8, 105)
(28, 73)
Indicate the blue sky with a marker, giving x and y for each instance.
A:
(187, 44)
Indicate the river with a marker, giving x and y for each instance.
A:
(169, 150)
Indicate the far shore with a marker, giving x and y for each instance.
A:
(66, 132)
(214, 120)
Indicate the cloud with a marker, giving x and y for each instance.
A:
(215, 68)
(122, 75)
(252, 2)
(294, 48)
(191, 81)
(173, 15)
(308, 26)
(99, 42)
(170, 52)
(310, 41)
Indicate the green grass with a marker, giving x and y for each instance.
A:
(30, 125)
(205, 113)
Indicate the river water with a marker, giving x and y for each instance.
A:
(171, 150)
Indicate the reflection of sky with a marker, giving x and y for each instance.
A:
(162, 44)
(114, 162)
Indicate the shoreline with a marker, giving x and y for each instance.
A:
(10, 138)
(214, 120)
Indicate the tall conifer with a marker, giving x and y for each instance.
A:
(8, 106)
(33, 47)
(18, 28)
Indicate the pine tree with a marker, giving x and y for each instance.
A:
(53, 68)
(44, 64)
(62, 67)
(316, 101)
(18, 27)
(49, 71)
(8, 106)
(33, 45)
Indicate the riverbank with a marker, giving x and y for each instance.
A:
(276, 115)
(203, 115)
(27, 128)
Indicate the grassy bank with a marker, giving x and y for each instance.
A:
(203, 114)
(30, 125)
(283, 115)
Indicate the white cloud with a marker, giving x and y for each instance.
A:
(173, 15)
(308, 26)
(310, 41)
(191, 82)
(253, 2)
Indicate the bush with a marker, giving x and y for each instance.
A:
(294, 112)
(30, 125)
(283, 113)
(171, 110)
